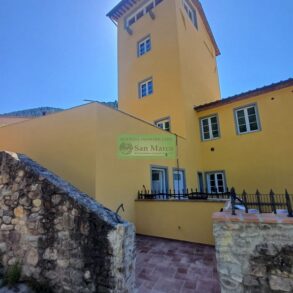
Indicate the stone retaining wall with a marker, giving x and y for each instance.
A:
(59, 235)
(254, 252)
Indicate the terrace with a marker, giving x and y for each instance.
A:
(174, 266)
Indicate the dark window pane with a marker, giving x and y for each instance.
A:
(214, 120)
(131, 21)
(214, 126)
(241, 121)
(148, 45)
(213, 189)
(150, 87)
(139, 15)
(221, 189)
(206, 128)
(155, 176)
(205, 122)
(252, 119)
(141, 49)
(167, 126)
(206, 135)
(215, 133)
(143, 90)
(242, 128)
(251, 111)
(253, 126)
(150, 7)
(240, 113)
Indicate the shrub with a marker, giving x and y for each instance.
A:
(12, 275)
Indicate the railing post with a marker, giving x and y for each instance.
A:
(289, 205)
(272, 196)
(257, 194)
(244, 195)
(233, 201)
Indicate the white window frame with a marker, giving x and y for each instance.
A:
(209, 118)
(142, 9)
(144, 44)
(246, 117)
(164, 171)
(208, 183)
(163, 123)
(191, 12)
(146, 84)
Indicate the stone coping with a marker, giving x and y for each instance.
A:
(183, 200)
(251, 218)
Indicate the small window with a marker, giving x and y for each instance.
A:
(139, 15)
(164, 124)
(191, 12)
(216, 182)
(144, 46)
(210, 128)
(247, 119)
(141, 11)
(146, 88)
(149, 7)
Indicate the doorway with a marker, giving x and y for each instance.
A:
(179, 181)
(159, 176)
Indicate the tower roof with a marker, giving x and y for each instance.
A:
(125, 5)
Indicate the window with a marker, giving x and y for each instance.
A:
(200, 182)
(216, 182)
(164, 124)
(179, 183)
(247, 119)
(190, 12)
(144, 46)
(159, 179)
(209, 128)
(146, 88)
(141, 11)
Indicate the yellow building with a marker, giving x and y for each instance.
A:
(168, 69)
(168, 84)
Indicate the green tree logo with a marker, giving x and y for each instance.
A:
(126, 148)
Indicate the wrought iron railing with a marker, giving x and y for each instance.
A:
(262, 203)
(185, 194)
(248, 203)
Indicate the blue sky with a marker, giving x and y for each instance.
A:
(59, 52)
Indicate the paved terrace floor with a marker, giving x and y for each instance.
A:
(168, 266)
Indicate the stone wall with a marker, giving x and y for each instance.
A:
(59, 235)
(254, 252)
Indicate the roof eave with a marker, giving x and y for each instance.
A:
(115, 14)
(253, 93)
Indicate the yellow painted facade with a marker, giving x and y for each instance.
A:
(80, 144)
(262, 159)
(183, 220)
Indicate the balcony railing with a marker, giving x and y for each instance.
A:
(262, 203)
(185, 194)
(248, 203)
